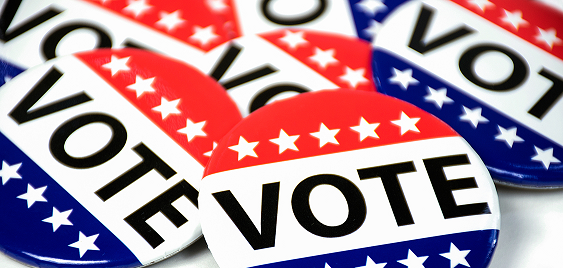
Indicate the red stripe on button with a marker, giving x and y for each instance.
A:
(537, 15)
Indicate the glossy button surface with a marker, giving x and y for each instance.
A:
(102, 156)
(343, 178)
(492, 70)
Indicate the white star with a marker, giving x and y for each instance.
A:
(403, 78)
(371, 264)
(406, 123)
(508, 135)
(324, 57)
(456, 256)
(137, 7)
(7, 78)
(208, 153)
(439, 97)
(244, 148)
(354, 77)
(167, 107)
(325, 135)
(482, 4)
(204, 35)
(217, 5)
(371, 7)
(33, 195)
(293, 40)
(85, 243)
(413, 261)
(170, 20)
(285, 142)
(545, 156)
(59, 218)
(366, 129)
(9, 172)
(514, 18)
(142, 85)
(373, 28)
(193, 129)
(549, 37)
(326, 265)
(473, 116)
(116, 65)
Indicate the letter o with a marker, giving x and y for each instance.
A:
(60, 136)
(275, 18)
(50, 43)
(467, 68)
(305, 217)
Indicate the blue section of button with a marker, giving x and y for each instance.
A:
(26, 233)
(475, 248)
(368, 14)
(8, 71)
(532, 160)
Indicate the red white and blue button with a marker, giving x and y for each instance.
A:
(492, 70)
(32, 32)
(347, 179)
(260, 68)
(102, 156)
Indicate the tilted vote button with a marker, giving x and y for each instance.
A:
(492, 70)
(344, 178)
(258, 69)
(102, 156)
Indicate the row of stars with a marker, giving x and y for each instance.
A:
(472, 116)
(324, 58)
(170, 20)
(33, 195)
(455, 256)
(515, 19)
(324, 135)
(166, 107)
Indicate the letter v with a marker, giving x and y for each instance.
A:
(421, 27)
(10, 9)
(21, 113)
(269, 215)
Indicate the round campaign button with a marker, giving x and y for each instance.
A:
(492, 70)
(350, 17)
(102, 156)
(33, 32)
(344, 178)
(257, 69)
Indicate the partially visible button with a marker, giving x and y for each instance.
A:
(34, 32)
(102, 155)
(492, 70)
(352, 18)
(258, 69)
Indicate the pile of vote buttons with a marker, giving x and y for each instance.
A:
(327, 134)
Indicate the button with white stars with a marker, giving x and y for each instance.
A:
(306, 181)
(260, 68)
(105, 169)
(495, 76)
(185, 30)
